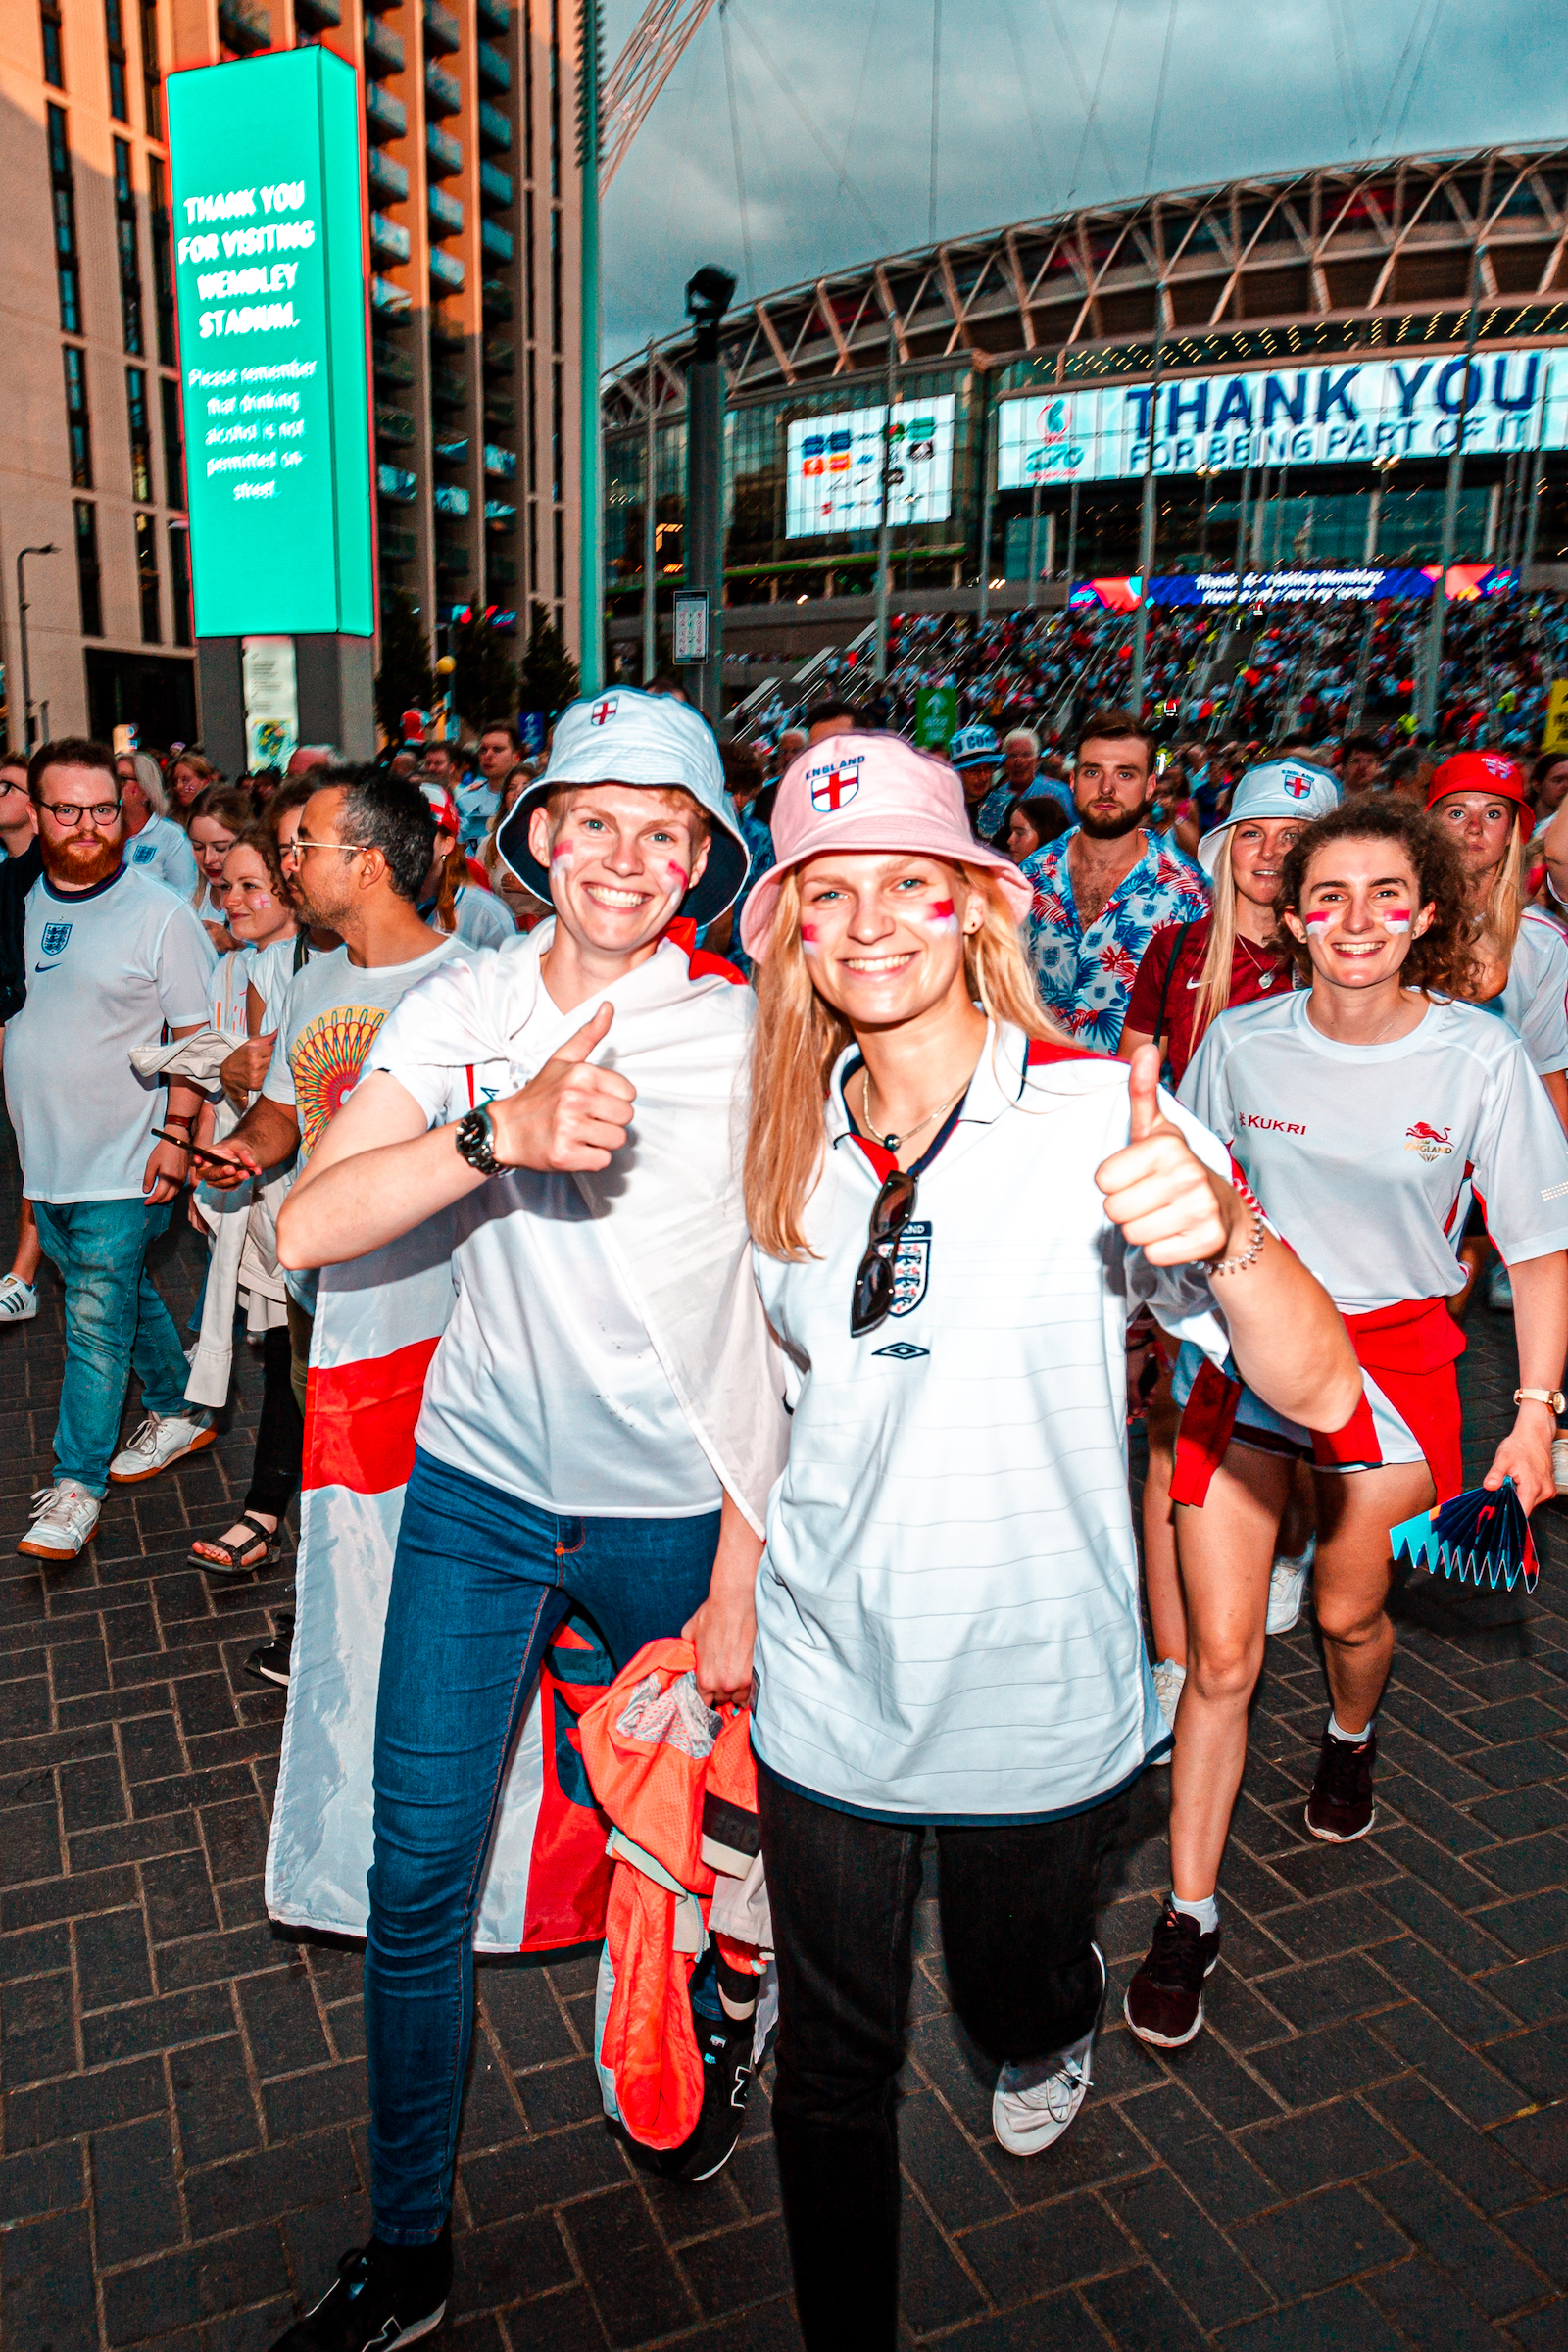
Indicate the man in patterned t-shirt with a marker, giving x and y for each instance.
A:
(1105, 886)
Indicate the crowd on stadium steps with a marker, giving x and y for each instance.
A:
(621, 1150)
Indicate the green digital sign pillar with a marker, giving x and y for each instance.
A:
(269, 285)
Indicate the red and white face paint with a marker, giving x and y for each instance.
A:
(940, 916)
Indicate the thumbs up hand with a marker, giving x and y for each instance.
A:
(572, 1115)
(1158, 1191)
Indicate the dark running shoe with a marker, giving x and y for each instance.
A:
(726, 2048)
(382, 2295)
(269, 1663)
(1164, 2001)
(1341, 1805)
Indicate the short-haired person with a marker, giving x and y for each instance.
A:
(1023, 774)
(496, 753)
(435, 762)
(1548, 788)
(977, 756)
(153, 840)
(1104, 889)
(948, 1628)
(21, 865)
(830, 717)
(600, 1425)
(1398, 1095)
(114, 959)
(1191, 972)
(1360, 763)
(306, 758)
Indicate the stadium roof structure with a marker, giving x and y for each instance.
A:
(1252, 270)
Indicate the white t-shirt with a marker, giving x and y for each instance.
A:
(546, 1382)
(948, 1609)
(162, 850)
(484, 920)
(1534, 999)
(234, 975)
(477, 802)
(1360, 1154)
(107, 969)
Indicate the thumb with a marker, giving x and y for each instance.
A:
(267, 1037)
(1142, 1093)
(578, 1048)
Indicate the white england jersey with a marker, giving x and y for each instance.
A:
(948, 1612)
(1360, 1154)
(162, 850)
(1535, 1000)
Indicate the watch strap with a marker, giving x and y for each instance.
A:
(1550, 1397)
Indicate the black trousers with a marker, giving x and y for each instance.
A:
(1017, 1910)
(279, 1432)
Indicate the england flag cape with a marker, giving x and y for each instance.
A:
(378, 1322)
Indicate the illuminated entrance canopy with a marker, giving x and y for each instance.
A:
(1354, 413)
(270, 287)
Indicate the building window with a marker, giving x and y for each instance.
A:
(151, 82)
(77, 423)
(555, 97)
(67, 265)
(162, 271)
(179, 581)
(151, 626)
(533, 548)
(142, 439)
(116, 61)
(555, 281)
(128, 239)
(88, 580)
(560, 580)
(173, 445)
(53, 64)
(555, 430)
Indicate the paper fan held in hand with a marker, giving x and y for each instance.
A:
(1478, 1535)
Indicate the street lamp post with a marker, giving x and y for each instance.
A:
(22, 621)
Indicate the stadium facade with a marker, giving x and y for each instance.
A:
(1298, 340)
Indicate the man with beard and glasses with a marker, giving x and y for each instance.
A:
(113, 959)
(1103, 889)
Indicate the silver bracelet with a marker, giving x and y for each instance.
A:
(1246, 1258)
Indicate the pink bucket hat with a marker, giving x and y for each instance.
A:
(870, 792)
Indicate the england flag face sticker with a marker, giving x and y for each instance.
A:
(833, 787)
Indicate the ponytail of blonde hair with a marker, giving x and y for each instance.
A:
(798, 1038)
(1215, 981)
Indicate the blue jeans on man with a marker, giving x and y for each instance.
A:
(481, 1582)
(116, 1322)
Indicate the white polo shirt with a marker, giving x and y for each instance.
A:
(948, 1611)
(1360, 1154)
(1535, 998)
(107, 969)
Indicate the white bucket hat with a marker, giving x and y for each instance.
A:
(1279, 788)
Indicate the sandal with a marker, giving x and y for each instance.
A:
(236, 1564)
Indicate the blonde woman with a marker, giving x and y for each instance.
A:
(947, 1616)
(1191, 972)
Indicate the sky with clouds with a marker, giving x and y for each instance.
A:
(795, 135)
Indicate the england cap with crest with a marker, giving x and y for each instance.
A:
(649, 740)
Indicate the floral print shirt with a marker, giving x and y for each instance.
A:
(1086, 977)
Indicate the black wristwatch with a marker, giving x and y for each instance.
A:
(476, 1141)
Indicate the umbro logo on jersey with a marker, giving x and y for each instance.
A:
(1255, 1118)
(55, 936)
(901, 1352)
(1432, 1143)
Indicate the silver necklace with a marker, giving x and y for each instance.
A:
(895, 1143)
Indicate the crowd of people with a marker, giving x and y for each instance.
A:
(829, 1148)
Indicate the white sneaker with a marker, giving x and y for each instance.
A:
(1168, 1681)
(1035, 2102)
(1285, 1585)
(162, 1438)
(18, 1299)
(1499, 1289)
(63, 1520)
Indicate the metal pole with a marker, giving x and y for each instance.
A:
(884, 529)
(987, 459)
(650, 534)
(1363, 661)
(1432, 650)
(1034, 545)
(1145, 527)
(1072, 537)
(1527, 554)
(591, 559)
(1374, 516)
(22, 621)
(1261, 519)
(1240, 521)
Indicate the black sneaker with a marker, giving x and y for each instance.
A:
(1341, 1805)
(382, 2295)
(726, 2048)
(269, 1663)
(1164, 2001)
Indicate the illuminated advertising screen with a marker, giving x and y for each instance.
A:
(270, 288)
(1123, 592)
(1334, 416)
(835, 468)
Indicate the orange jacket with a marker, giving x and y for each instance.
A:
(654, 1764)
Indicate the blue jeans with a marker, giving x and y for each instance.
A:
(480, 1583)
(114, 1320)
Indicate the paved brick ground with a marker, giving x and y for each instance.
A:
(1368, 2147)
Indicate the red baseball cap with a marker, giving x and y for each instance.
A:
(1492, 772)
